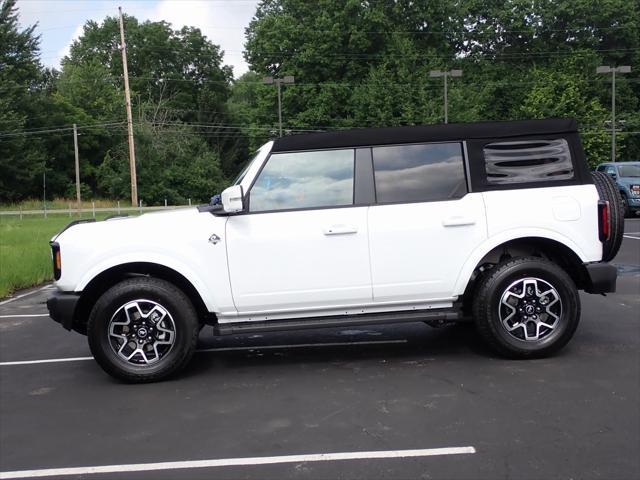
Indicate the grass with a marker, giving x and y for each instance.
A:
(25, 256)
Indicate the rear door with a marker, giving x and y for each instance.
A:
(425, 223)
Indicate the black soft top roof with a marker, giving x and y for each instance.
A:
(424, 133)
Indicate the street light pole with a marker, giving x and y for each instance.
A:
(289, 79)
(613, 70)
(75, 151)
(446, 75)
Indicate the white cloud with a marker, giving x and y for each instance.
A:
(61, 22)
(64, 51)
(223, 23)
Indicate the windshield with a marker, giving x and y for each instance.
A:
(629, 170)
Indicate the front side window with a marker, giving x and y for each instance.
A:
(304, 180)
(528, 161)
(419, 173)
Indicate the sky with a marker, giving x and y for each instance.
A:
(60, 22)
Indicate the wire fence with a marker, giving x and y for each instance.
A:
(72, 211)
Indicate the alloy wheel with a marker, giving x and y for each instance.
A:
(530, 309)
(141, 332)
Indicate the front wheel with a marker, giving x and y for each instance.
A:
(526, 307)
(143, 330)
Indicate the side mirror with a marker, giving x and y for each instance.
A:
(233, 199)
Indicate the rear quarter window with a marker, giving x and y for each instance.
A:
(528, 161)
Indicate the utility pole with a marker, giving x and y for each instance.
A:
(446, 75)
(44, 189)
(613, 71)
(279, 81)
(75, 150)
(127, 98)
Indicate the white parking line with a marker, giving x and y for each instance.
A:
(25, 316)
(230, 462)
(629, 236)
(4, 302)
(49, 360)
(221, 349)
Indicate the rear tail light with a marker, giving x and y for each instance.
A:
(604, 221)
(57, 260)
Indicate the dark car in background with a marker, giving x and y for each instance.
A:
(626, 175)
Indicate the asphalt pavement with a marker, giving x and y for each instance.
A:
(393, 390)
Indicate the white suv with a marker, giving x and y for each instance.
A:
(500, 223)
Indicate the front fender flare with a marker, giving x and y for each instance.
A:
(155, 258)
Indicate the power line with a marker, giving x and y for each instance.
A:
(385, 53)
(470, 30)
(346, 84)
(27, 132)
(89, 125)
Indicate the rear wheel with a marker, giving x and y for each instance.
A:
(143, 330)
(526, 307)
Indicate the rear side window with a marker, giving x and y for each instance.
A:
(304, 180)
(528, 161)
(419, 173)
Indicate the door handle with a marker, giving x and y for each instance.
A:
(458, 221)
(340, 230)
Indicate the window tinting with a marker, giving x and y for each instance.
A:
(419, 173)
(304, 180)
(528, 161)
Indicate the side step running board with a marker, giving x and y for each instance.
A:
(445, 315)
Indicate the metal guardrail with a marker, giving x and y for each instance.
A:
(71, 211)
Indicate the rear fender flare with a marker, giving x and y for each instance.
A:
(495, 241)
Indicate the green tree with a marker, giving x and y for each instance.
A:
(173, 164)
(562, 92)
(19, 76)
(176, 77)
(179, 69)
(367, 63)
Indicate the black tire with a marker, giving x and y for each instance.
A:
(608, 192)
(488, 308)
(144, 292)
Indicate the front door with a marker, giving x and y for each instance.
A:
(302, 244)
